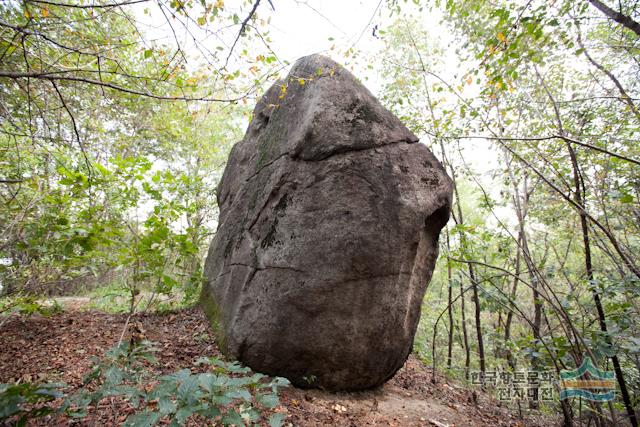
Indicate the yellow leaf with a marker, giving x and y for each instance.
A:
(45, 12)
(501, 37)
(469, 80)
(301, 81)
(220, 4)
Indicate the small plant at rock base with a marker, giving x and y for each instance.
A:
(310, 379)
(230, 394)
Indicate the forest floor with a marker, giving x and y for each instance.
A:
(59, 348)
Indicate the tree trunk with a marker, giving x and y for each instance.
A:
(450, 307)
(465, 335)
(507, 326)
(474, 283)
(579, 199)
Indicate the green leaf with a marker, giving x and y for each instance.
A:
(237, 368)
(187, 389)
(232, 418)
(184, 413)
(148, 53)
(166, 405)
(250, 414)
(209, 381)
(221, 400)
(113, 376)
(238, 394)
(165, 388)
(142, 419)
(103, 170)
(9, 407)
(276, 419)
(627, 198)
(209, 412)
(181, 375)
(268, 400)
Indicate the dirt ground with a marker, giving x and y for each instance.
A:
(59, 348)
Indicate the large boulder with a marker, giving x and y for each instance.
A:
(330, 212)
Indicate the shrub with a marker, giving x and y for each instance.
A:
(228, 393)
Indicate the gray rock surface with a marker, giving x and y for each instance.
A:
(330, 212)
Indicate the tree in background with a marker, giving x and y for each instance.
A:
(552, 88)
(108, 162)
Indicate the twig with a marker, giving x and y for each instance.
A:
(75, 127)
(48, 76)
(87, 6)
(242, 29)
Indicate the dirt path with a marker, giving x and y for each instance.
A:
(59, 348)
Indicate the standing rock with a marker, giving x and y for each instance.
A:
(330, 212)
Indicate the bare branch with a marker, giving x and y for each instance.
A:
(628, 261)
(545, 138)
(625, 97)
(26, 32)
(619, 17)
(592, 147)
(86, 6)
(243, 26)
(75, 126)
(49, 76)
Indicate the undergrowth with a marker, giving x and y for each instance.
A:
(227, 393)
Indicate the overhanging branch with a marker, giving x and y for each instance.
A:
(87, 6)
(619, 17)
(57, 77)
